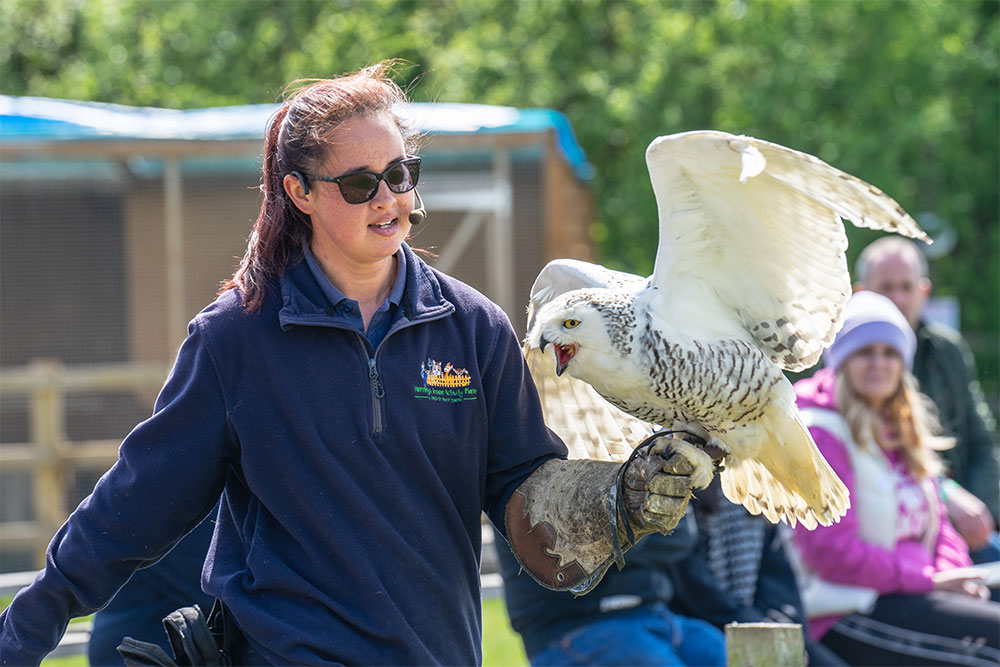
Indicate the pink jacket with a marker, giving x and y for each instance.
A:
(838, 554)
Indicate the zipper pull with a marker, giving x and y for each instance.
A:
(373, 375)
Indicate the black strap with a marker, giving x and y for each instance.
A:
(228, 636)
(618, 497)
(190, 638)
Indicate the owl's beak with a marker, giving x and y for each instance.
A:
(563, 354)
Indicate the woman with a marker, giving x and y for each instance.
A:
(352, 485)
(884, 587)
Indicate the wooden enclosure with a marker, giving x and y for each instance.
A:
(117, 226)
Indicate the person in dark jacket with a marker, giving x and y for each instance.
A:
(945, 369)
(357, 411)
(138, 609)
(739, 572)
(625, 620)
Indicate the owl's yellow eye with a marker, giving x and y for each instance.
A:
(569, 324)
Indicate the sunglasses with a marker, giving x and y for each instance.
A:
(360, 186)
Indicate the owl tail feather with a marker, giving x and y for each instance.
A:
(787, 478)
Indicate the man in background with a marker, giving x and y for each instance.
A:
(943, 364)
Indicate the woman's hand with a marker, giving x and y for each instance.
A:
(964, 580)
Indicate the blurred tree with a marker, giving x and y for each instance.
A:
(902, 94)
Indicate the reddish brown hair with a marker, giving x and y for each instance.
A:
(298, 140)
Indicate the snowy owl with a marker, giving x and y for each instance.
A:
(750, 279)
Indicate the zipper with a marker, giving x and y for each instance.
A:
(377, 393)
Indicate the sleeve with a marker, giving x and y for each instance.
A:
(950, 550)
(838, 554)
(983, 468)
(169, 475)
(698, 592)
(519, 441)
(777, 589)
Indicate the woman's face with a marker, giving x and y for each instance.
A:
(358, 236)
(875, 372)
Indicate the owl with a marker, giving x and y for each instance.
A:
(750, 280)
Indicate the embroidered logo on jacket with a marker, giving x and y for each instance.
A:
(445, 382)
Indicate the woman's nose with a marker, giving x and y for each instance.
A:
(383, 194)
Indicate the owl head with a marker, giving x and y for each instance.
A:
(580, 328)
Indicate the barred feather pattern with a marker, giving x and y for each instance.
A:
(717, 384)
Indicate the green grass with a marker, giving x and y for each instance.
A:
(501, 645)
(68, 661)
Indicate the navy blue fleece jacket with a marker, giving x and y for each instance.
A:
(352, 483)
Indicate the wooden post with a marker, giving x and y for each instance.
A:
(500, 253)
(173, 227)
(47, 435)
(765, 645)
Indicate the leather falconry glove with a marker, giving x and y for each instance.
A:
(570, 520)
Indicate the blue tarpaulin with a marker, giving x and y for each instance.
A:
(24, 119)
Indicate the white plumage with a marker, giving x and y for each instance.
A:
(750, 278)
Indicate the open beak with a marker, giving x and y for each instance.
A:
(563, 355)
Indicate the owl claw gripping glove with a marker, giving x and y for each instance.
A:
(570, 520)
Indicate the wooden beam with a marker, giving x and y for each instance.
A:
(500, 253)
(48, 432)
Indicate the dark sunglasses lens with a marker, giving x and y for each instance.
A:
(358, 188)
(402, 177)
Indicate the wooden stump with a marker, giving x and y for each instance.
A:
(765, 645)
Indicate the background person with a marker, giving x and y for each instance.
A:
(943, 364)
(739, 572)
(349, 524)
(905, 602)
(138, 609)
(625, 620)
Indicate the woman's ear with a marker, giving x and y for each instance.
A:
(298, 191)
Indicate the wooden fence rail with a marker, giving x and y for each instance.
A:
(50, 455)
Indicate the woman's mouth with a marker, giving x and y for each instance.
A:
(387, 226)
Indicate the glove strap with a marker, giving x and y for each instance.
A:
(618, 497)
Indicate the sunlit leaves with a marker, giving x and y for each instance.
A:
(903, 94)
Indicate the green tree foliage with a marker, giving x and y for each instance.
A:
(902, 94)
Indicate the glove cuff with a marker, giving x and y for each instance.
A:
(560, 527)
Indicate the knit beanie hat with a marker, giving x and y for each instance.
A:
(871, 318)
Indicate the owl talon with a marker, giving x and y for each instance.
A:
(704, 467)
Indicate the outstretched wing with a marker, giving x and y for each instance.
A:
(591, 427)
(760, 225)
(564, 275)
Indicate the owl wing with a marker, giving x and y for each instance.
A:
(760, 225)
(591, 427)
